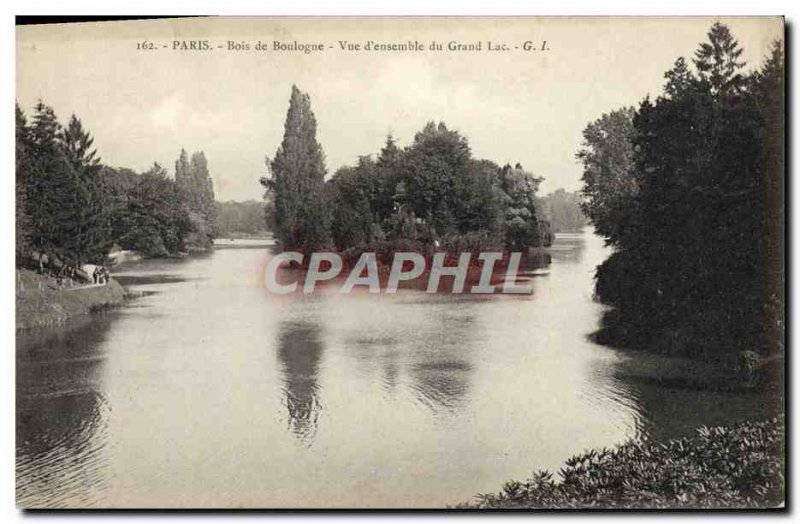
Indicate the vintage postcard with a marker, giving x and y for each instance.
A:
(445, 262)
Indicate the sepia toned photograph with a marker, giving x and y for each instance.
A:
(439, 263)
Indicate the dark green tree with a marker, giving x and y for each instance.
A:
(768, 89)
(697, 267)
(158, 219)
(718, 61)
(297, 182)
(388, 174)
(202, 200)
(433, 164)
(608, 181)
(49, 185)
(353, 194)
(194, 181)
(88, 237)
(522, 227)
(115, 187)
(434, 192)
(23, 150)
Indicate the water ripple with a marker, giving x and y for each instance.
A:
(61, 439)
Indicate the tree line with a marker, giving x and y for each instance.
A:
(563, 210)
(72, 208)
(246, 218)
(688, 189)
(432, 192)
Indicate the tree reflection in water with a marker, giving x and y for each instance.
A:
(299, 351)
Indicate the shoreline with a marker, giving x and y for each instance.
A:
(40, 303)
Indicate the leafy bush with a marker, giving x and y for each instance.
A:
(721, 467)
(475, 242)
(147, 241)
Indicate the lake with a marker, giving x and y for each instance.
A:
(207, 391)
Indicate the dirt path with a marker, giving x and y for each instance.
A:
(83, 286)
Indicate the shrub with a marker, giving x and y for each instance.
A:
(721, 467)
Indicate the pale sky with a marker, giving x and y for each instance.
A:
(514, 106)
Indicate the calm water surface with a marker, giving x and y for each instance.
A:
(209, 392)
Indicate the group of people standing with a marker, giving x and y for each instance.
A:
(100, 275)
(67, 272)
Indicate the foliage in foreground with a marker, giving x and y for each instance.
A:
(736, 467)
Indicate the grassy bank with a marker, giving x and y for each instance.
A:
(720, 467)
(40, 302)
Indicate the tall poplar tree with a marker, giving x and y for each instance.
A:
(297, 184)
(183, 171)
(203, 189)
(197, 190)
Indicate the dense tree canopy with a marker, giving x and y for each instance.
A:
(59, 206)
(73, 209)
(696, 223)
(434, 191)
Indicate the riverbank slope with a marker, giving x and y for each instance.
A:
(40, 302)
